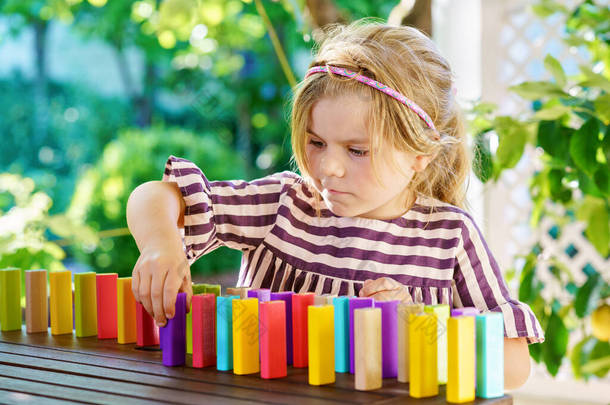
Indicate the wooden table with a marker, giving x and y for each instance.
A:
(40, 368)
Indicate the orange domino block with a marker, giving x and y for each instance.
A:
(126, 312)
(461, 361)
(321, 337)
(61, 302)
(367, 348)
(148, 332)
(245, 336)
(272, 330)
(423, 346)
(85, 304)
(404, 310)
(36, 301)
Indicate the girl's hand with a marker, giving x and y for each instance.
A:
(159, 274)
(385, 289)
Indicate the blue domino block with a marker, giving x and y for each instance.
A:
(490, 355)
(224, 332)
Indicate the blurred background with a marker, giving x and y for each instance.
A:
(96, 94)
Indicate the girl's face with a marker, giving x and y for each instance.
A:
(338, 153)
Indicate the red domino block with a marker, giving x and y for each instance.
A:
(204, 329)
(272, 335)
(106, 305)
(300, 302)
(148, 332)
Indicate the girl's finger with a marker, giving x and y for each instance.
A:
(135, 280)
(144, 292)
(156, 296)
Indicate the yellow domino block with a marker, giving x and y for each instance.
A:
(245, 336)
(423, 369)
(126, 312)
(85, 304)
(321, 340)
(442, 313)
(404, 310)
(61, 302)
(461, 359)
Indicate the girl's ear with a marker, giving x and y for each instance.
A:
(421, 162)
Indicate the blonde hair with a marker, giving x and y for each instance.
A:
(406, 60)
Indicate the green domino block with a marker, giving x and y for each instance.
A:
(10, 299)
(442, 312)
(85, 304)
(213, 289)
(199, 288)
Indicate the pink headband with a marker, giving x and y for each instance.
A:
(376, 85)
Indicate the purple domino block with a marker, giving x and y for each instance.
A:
(286, 296)
(355, 303)
(263, 294)
(389, 337)
(173, 336)
(466, 311)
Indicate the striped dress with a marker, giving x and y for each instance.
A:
(440, 256)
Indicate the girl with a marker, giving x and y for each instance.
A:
(377, 210)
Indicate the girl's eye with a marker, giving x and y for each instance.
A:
(317, 144)
(358, 152)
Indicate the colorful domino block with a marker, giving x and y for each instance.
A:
(300, 302)
(442, 312)
(126, 312)
(490, 355)
(341, 311)
(423, 364)
(389, 337)
(106, 305)
(245, 336)
(367, 345)
(85, 304)
(204, 330)
(404, 312)
(272, 329)
(325, 299)
(173, 336)
(242, 292)
(10, 299)
(61, 302)
(215, 289)
(36, 301)
(321, 336)
(147, 331)
(464, 311)
(224, 332)
(355, 303)
(461, 361)
(263, 294)
(286, 296)
(199, 288)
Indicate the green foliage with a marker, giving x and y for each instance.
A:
(570, 128)
(135, 157)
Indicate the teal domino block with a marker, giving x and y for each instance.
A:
(341, 305)
(490, 355)
(224, 332)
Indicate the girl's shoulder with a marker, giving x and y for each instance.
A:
(433, 209)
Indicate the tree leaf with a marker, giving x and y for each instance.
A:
(587, 296)
(594, 79)
(482, 166)
(538, 90)
(583, 146)
(580, 355)
(602, 108)
(602, 180)
(552, 113)
(556, 70)
(555, 346)
(529, 287)
(511, 146)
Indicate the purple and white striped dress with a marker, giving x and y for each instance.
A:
(440, 256)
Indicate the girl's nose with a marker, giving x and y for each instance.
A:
(332, 166)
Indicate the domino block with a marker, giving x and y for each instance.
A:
(61, 302)
(147, 331)
(245, 336)
(263, 294)
(460, 362)
(404, 311)
(204, 330)
(465, 311)
(126, 312)
(215, 289)
(189, 330)
(241, 291)
(367, 345)
(341, 311)
(442, 314)
(389, 337)
(85, 304)
(36, 301)
(355, 303)
(423, 363)
(300, 302)
(173, 337)
(10, 299)
(199, 288)
(224, 332)
(106, 305)
(321, 336)
(490, 355)
(272, 329)
(286, 296)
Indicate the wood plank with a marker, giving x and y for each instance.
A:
(9, 397)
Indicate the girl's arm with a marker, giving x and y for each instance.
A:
(155, 214)
(516, 363)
